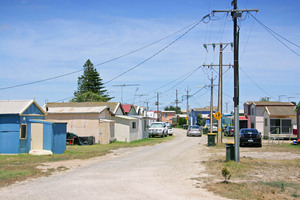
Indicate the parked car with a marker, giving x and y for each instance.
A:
(170, 130)
(194, 130)
(250, 136)
(158, 129)
(229, 131)
(214, 129)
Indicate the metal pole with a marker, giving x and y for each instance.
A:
(211, 102)
(176, 101)
(157, 106)
(236, 82)
(219, 138)
(187, 105)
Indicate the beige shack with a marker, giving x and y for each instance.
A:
(87, 118)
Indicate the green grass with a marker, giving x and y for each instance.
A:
(20, 167)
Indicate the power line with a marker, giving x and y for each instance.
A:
(105, 62)
(158, 52)
(185, 75)
(255, 83)
(273, 33)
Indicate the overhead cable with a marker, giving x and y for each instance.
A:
(273, 33)
(105, 62)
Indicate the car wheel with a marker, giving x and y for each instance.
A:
(260, 145)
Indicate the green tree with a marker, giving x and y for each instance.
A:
(182, 121)
(90, 86)
(173, 108)
(265, 99)
(200, 120)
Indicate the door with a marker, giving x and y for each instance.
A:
(37, 136)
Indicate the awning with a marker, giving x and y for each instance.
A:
(242, 118)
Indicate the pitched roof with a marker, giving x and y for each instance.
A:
(270, 103)
(127, 107)
(16, 106)
(168, 111)
(282, 110)
(73, 110)
(112, 105)
(206, 108)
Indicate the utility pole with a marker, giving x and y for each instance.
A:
(235, 13)
(176, 102)
(211, 99)
(122, 86)
(226, 107)
(187, 104)
(211, 102)
(146, 108)
(279, 97)
(220, 90)
(157, 105)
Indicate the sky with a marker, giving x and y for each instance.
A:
(42, 39)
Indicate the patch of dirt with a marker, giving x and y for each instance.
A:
(59, 166)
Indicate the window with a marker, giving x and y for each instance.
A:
(280, 126)
(165, 115)
(133, 125)
(23, 132)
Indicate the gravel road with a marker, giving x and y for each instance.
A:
(164, 171)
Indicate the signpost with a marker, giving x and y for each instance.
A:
(218, 115)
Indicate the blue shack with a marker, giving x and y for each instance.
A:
(23, 128)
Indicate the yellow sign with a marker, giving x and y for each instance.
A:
(187, 118)
(218, 115)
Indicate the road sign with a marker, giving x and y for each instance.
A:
(218, 115)
(187, 118)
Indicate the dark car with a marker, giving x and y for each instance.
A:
(250, 136)
(229, 131)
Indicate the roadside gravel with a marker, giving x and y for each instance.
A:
(164, 171)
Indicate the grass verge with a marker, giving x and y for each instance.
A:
(255, 178)
(21, 167)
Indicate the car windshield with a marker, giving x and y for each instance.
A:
(169, 127)
(231, 128)
(249, 131)
(194, 127)
(156, 125)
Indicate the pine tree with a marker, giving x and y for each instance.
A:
(90, 86)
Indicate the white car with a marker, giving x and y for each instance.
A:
(170, 130)
(215, 128)
(158, 129)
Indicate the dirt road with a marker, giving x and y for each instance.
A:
(164, 171)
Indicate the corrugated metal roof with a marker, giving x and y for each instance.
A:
(69, 110)
(14, 106)
(207, 108)
(282, 110)
(125, 117)
(272, 103)
(112, 105)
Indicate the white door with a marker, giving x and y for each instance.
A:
(36, 136)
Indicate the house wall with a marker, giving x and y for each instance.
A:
(9, 134)
(10, 125)
(82, 124)
(259, 124)
(134, 132)
(167, 117)
(107, 131)
(122, 129)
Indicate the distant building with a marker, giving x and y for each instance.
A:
(264, 113)
(167, 116)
